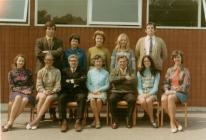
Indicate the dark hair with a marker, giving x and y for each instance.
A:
(99, 32)
(49, 54)
(14, 65)
(74, 36)
(153, 69)
(50, 24)
(151, 24)
(98, 57)
(176, 53)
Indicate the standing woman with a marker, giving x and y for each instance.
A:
(21, 88)
(123, 48)
(47, 86)
(99, 49)
(148, 80)
(97, 84)
(176, 86)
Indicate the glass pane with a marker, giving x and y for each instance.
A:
(13, 10)
(203, 13)
(115, 10)
(62, 11)
(174, 12)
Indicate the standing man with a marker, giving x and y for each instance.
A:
(73, 89)
(122, 80)
(151, 45)
(49, 44)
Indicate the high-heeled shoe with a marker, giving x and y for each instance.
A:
(3, 129)
(174, 130)
(179, 128)
(29, 127)
(98, 125)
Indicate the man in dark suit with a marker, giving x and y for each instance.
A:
(46, 44)
(73, 89)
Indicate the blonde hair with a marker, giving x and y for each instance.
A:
(99, 32)
(117, 47)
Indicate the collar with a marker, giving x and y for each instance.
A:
(47, 38)
(148, 37)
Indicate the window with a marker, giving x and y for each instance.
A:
(13, 11)
(179, 13)
(115, 12)
(72, 12)
(89, 12)
(203, 13)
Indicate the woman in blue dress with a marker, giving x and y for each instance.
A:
(97, 84)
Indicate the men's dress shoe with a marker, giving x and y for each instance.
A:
(180, 128)
(173, 130)
(64, 126)
(78, 126)
(3, 129)
(114, 125)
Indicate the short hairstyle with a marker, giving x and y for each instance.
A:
(122, 56)
(151, 24)
(14, 64)
(73, 56)
(96, 57)
(176, 53)
(49, 54)
(74, 36)
(49, 24)
(99, 32)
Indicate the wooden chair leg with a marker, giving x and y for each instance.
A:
(162, 117)
(185, 110)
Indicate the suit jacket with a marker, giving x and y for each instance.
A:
(79, 77)
(119, 82)
(159, 52)
(56, 50)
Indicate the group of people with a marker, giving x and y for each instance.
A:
(97, 77)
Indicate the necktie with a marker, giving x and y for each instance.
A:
(150, 46)
(50, 43)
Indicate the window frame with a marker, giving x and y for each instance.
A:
(88, 16)
(138, 23)
(22, 22)
(181, 27)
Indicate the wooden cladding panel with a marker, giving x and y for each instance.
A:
(14, 40)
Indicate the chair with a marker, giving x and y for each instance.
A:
(155, 106)
(27, 106)
(122, 105)
(182, 107)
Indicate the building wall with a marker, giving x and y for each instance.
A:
(21, 39)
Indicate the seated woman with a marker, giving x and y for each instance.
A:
(148, 80)
(47, 86)
(176, 86)
(21, 87)
(97, 84)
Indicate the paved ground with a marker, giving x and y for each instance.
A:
(50, 131)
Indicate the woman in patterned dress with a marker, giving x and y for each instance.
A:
(21, 89)
(176, 86)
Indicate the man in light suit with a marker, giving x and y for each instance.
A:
(151, 45)
(49, 44)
